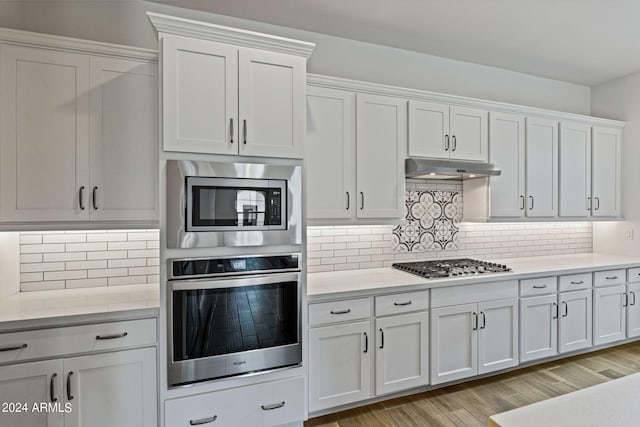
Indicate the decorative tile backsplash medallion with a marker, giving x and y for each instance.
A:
(432, 222)
(88, 258)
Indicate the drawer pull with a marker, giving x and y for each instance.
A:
(203, 421)
(579, 282)
(240, 363)
(52, 384)
(271, 407)
(111, 337)
(402, 303)
(611, 277)
(15, 347)
(539, 286)
(347, 311)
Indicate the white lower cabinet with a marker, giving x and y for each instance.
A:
(402, 352)
(104, 390)
(339, 364)
(538, 327)
(31, 383)
(470, 339)
(633, 310)
(609, 314)
(575, 320)
(270, 404)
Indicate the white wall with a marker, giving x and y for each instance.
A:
(125, 22)
(10, 13)
(620, 99)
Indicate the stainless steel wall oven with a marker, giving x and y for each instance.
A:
(212, 204)
(232, 316)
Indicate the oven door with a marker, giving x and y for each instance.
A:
(219, 328)
(224, 204)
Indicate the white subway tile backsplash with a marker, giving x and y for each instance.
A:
(80, 258)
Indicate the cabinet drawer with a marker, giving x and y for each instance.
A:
(339, 311)
(540, 286)
(402, 303)
(633, 275)
(268, 404)
(609, 277)
(43, 343)
(474, 293)
(575, 282)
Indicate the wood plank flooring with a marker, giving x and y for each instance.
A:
(471, 403)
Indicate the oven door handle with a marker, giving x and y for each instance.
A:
(234, 282)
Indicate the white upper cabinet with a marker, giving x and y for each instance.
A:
(199, 96)
(124, 140)
(78, 137)
(271, 103)
(330, 153)
(575, 169)
(44, 135)
(607, 172)
(224, 99)
(542, 167)
(381, 135)
(447, 132)
(507, 147)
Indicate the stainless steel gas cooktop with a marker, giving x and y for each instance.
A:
(450, 268)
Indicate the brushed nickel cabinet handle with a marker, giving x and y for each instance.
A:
(202, 421)
(626, 300)
(566, 309)
(348, 201)
(633, 294)
(347, 311)
(484, 321)
(521, 202)
(611, 277)
(361, 200)
(531, 199)
(579, 282)
(475, 321)
(539, 286)
(271, 407)
(555, 309)
(597, 203)
(52, 396)
(81, 198)
(231, 130)
(111, 337)
(381, 338)
(69, 396)
(366, 342)
(455, 145)
(588, 203)
(446, 143)
(94, 197)
(14, 347)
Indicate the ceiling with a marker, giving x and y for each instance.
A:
(582, 41)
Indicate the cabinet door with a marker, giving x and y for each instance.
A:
(497, 335)
(112, 389)
(469, 134)
(199, 95)
(44, 135)
(575, 326)
(575, 169)
(607, 171)
(538, 327)
(506, 145)
(633, 310)
(271, 103)
(402, 352)
(124, 140)
(542, 168)
(429, 130)
(32, 383)
(381, 141)
(339, 364)
(454, 343)
(609, 314)
(330, 153)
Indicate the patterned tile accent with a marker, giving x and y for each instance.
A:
(88, 258)
(432, 222)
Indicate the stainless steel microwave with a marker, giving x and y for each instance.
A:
(211, 204)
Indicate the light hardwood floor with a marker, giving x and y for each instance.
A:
(471, 403)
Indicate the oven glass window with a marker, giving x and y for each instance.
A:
(211, 322)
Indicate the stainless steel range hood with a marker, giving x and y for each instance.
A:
(448, 169)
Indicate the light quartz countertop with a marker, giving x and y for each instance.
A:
(355, 282)
(71, 306)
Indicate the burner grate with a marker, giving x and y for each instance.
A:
(450, 268)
